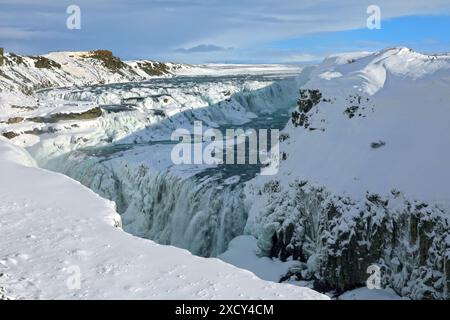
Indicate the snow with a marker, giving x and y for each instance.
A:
(243, 252)
(404, 103)
(368, 294)
(53, 226)
(328, 75)
(20, 78)
(218, 70)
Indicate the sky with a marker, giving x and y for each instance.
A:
(233, 31)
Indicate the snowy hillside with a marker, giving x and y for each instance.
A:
(365, 176)
(21, 76)
(387, 112)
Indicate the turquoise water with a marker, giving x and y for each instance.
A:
(201, 213)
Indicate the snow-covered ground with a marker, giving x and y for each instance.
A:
(218, 70)
(53, 229)
(243, 252)
(368, 294)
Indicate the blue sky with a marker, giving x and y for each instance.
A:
(427, 34)
(195, 31)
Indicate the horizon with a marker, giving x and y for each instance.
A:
(305, 63)
(204, 32)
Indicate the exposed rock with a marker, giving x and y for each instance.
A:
(407, 240)
(55, 117)
(308, 99)
(154, 68)
(45, 63)
(3, 293)
(14, 120)
(379, 144)
(351, 111)
(10, 134)
(108, 59)
(15, 58)
(27, 108)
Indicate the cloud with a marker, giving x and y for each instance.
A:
(190, 30)
(299, 57)
(14, 33)
(202, 48)
(11, 33)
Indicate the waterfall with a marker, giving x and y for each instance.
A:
(201, 212)
(197, 213)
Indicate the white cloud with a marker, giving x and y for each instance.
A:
(202, 48)
(17, 33)
(157, 28)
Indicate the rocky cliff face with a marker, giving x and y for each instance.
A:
(1, 56)
(336, 239)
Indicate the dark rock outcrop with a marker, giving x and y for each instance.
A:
(341, 238)
(308, 99)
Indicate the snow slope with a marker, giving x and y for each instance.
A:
(365, 176)
(50, 226)
(404, 102)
